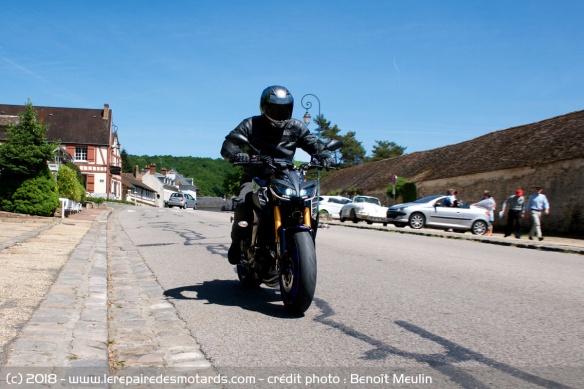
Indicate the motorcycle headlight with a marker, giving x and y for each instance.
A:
(308, 191)
(283, 190)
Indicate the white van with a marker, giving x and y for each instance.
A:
(332, 205)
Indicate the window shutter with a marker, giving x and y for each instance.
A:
(90, 183)
(90, 153)
(71, 151)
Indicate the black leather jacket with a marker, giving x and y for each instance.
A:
(277, 143)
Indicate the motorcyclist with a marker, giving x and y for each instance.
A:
(276, 134)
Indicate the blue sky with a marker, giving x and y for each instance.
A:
(179, 75)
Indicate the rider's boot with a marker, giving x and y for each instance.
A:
(234, 253)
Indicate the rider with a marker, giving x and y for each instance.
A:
(275, 134)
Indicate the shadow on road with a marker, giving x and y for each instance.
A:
(230, 293)
(449, 363)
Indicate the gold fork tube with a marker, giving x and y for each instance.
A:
(307, 217)
(277, 222)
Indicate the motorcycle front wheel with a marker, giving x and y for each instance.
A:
(298, 273)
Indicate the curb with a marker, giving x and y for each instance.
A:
(480, 239)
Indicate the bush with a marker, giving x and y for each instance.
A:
(69, 186)
(403, 188)
(35, 196)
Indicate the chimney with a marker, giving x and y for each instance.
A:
(152, 169)
(137, 174)
(106, 111)
(163, 171)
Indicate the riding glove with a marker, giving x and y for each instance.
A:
(239, 157)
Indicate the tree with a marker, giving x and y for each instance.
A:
(352, 152)
(385, 149)
(126, 164)
(26, 183)
(26, 149)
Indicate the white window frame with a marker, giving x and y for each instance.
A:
(80, 153)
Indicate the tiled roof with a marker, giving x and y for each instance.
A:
(555, 139)
(129, 180)
(70, 125)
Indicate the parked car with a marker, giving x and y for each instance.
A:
(430, 212)
(331, 205)
(182, 200)
(364, 208)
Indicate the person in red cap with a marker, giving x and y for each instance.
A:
(516, 205)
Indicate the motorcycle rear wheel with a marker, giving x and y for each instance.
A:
(298, 273)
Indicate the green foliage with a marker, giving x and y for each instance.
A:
(232, 182)
(26, 183)
(96, 200)
(69, 186)
(209, 174)
(127, 166)
(26, 149)
(383, 150)
(409, 192)
(403, 188)
(77, 171)
(351, 192)
(34, 196)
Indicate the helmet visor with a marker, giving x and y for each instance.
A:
(278, 111)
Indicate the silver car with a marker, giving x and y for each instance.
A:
(429, 212)
(182, 200)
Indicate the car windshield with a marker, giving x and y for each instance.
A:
(426, 199)
(370, 200)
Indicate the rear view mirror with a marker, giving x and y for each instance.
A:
(333, 145)
(236, 138)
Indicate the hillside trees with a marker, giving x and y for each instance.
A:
(26, 183)
(208, 173)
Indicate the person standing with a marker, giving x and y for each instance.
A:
(488, 203)
(516, 205)
(536, 204)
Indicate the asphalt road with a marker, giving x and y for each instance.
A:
(443, 312)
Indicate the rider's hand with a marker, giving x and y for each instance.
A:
(239, 157)
(327, 162)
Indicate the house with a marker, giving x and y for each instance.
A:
(88, 138)
(167, 182)
(136, 191)
(549, 153)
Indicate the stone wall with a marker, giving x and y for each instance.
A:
(562, 182)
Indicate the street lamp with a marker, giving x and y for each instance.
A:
(307, 105)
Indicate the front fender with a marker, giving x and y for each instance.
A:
(287, 233)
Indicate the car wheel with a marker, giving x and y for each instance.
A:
(354, 216)
(417, 221)
(369, 222)
(400, 225)
(384, 224)
(479, 227)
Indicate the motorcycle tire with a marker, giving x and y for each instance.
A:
(247, 280)
(298, 273)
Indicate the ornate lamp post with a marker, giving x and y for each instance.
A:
(307, 105)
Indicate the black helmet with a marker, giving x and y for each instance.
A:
(277, 104)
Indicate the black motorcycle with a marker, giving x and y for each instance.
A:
(281, 246)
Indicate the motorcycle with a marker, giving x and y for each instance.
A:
(281, 246)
